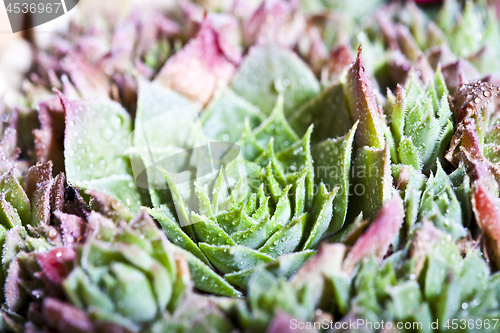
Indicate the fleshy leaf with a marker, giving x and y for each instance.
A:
(201, 65)
(287, 239)
(268, 71)
(379, 235)
(228, 259)
(322, 216)
(175, 233)
(372, 181)
(224, 118)
(89, 163)
(363, 107)
(14, 194)
(204, 278)
(332, 161)
(285, 266)
(327, 111)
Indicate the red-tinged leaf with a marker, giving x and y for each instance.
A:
(363, 106)
(472, 97)
(338, 61)
(152, 27)
(399, 66)
(423, 69)
(456, 73)
(201, 65)
(378, 237)
(404, 177)
(93, 46)
(122, 47)
(40, 204)
(440, 54)
(15, 294)
(317, 53)
(407, 44)
(281, 323)
(276, 21)
(72, 226)
(57, 193)
(424, 240)
(387, 26)
(326, 262)
(49, 139)
(38, 173)
(486, 209)
(65, 317)
(466, 143)
(57, 263)
(88, 79)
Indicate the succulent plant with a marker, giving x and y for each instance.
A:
(244, 150)
(428, 282)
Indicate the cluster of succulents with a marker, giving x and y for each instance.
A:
(256, 166)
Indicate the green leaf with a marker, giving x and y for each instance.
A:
(270, 70)
(228, 259)
(363, 107)
(91, 164)
(332, 161)
(248, 144)
(14, 194)
(285, 265)
(283, 210)
(209, 232)
(157, 115)
(9, 218)
(287, 239)
(406, 298)
(83, 293)
(327, 111)
(276, 126)
(440, 205)
(204, 278)
(133, 293)
(398, 112)
(474, 275)
(157, 274)
(409, 154)
(341, 291)
(372, 181)
(86, 157)
(256, 236)
(224, 118)
(322, 216)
